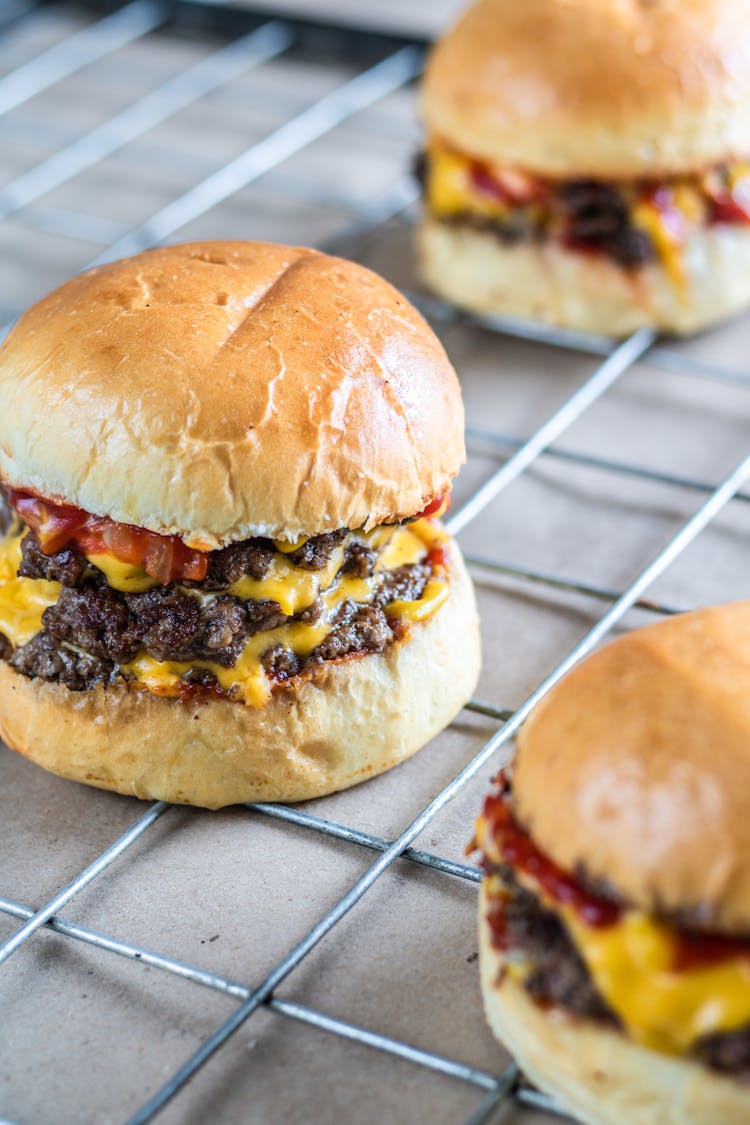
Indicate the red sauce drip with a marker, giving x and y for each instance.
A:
(508, 186)
(699, 951)
(163, 557)
(438, 556)
(727, 208)
(435, 505)
(519, 851)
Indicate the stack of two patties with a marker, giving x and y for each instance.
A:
(225, 578)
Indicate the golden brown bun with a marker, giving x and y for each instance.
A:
(636, 767)
(354, 720)
(544, 281)
(604, 88)
(221, 390)
(597, 1074)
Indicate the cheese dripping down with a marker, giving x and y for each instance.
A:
(23, 601)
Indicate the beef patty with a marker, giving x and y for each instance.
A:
(92, 628)
(560, 977)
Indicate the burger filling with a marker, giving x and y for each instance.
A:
(631, 223)
(669, 988)
(87, 601)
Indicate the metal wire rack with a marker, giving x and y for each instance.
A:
(75, 163)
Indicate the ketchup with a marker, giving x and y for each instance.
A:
(726, 208)
(699, 951)
(519, 850)
(440, 502)
(438, 556)
(163, 557)
(507, 186)
(691, 950)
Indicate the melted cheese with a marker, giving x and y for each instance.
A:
(403, 547)
(665, 1009)
(288, 547)
(630, 963)
(22, 600)
(293, 587)
(451, 190)
(248, 677)
(667, 243)
(121, 575)
(435, 594)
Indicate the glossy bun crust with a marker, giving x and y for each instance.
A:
(595, 1073)
(645, 745)
(601, 88)
(356, 718)
(221, 390)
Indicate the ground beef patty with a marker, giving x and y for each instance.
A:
(249, 559)
(597, 217)
(559, 976)
(92, 628)
(47, 659)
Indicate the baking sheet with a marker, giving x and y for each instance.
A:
(88, 1036)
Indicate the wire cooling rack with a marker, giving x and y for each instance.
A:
(327, 982)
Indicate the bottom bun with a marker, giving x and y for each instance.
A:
(595, 1073)
(353, 720)
(544, 281)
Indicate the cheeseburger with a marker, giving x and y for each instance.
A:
(223, 576)
(615, 908)
(587, 162)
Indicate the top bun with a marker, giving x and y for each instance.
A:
(635, 769)
(603, 88)
(222, 390)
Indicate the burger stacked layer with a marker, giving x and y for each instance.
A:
(674, 989)
(629, 222)
(85, 600)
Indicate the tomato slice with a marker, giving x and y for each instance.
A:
(163, 557)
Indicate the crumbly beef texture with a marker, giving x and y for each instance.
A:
(315, 553)
(92, 628)
(405, 584)
(359, 628)
(67, 567)
(598, 218)
(359, 560)
(558, 975)
(249, 559)
(45, 658)
(167, 623)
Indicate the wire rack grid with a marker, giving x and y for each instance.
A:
(623, 456)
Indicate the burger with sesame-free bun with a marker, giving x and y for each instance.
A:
(223, 576)
(587, 162)
(615, 907)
